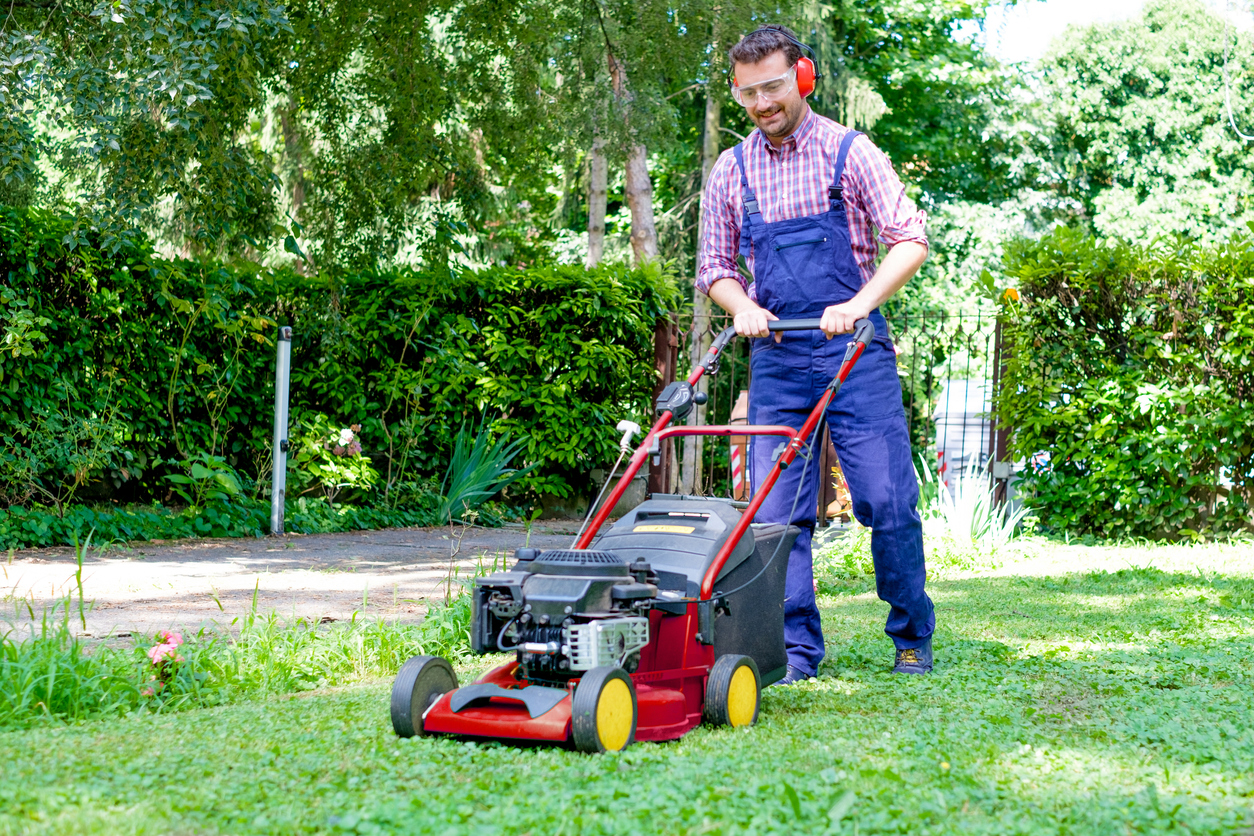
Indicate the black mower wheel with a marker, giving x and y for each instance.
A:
(733, 692)
(603, 711)
(421, 681)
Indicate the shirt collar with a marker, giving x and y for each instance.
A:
(799, 137)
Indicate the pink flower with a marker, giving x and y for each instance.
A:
(147, 692)
(337, 450)
(164, 653)
(354, 449)
(170, 637)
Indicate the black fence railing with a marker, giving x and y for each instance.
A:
(947, 365)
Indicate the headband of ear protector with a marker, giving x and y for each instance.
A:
(806, 71)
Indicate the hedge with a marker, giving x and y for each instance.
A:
(1132, 367)
(174, 358)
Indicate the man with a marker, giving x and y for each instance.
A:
(798, 198)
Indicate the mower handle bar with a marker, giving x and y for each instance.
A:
(863, 332)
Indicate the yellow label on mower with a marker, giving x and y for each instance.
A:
(665, 529)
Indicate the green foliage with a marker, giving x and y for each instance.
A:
(139, 109)
(939, 93)
(55, 454)
(207, 479)
(177, 358)
(965, 528)
(1131, 367)
(560, 354)
(1130, 131)
(842, 559)
(21, 327)
(34, 527)
(477, 471)
(329, 458)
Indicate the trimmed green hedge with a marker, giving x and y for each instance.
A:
(1133, 368)
(176, 357)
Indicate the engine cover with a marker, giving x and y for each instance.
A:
(564, 611)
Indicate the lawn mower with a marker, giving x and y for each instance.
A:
(672, 616)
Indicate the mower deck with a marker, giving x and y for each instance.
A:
(669, 695)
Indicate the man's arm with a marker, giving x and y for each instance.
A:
(877, 191)
(717, 275)
(897, 267)
(749, 318)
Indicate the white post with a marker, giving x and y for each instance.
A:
(282, 380)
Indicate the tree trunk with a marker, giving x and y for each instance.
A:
(637, 187)
(638, 190)
(598, 188)
(702, 331)
(294, 167)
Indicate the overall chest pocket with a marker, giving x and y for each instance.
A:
(804, 255)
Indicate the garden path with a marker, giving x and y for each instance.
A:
(189, 584)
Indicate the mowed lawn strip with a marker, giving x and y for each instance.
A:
(1078, 690)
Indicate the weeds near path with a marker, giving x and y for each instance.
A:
(48, 673)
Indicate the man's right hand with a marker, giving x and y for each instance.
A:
(751, 322)
(749, 318)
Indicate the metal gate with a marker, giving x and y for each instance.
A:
(948, 363)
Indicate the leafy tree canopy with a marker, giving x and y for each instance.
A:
(1131, 133)
(134, 113)
(363, 132)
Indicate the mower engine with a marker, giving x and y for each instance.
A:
(565, 612)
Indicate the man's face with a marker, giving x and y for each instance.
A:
(775, 117)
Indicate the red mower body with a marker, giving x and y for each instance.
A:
(671, 617)
(669, 699)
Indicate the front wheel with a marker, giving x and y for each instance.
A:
(733, 692)
(603, 711)
(421, 681)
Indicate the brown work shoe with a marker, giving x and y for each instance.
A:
(916, 660)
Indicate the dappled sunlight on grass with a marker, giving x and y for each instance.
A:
(1085, 697)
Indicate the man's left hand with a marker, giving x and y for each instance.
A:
(839, 319)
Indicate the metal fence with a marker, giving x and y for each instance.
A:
(948, 365)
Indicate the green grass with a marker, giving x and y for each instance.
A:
(1078, 691)
(50, 675)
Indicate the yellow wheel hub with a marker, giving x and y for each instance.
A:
(614, 715)
(742, 697)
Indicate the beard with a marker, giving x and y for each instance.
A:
(780, 120)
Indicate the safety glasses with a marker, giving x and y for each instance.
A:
(772, 89)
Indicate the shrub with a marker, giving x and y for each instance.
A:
(1133, 368)
(179, 355)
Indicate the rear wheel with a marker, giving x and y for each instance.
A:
(421, 681)
(733, 692)
(603, 711)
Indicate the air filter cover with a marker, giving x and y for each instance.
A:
(583, 562)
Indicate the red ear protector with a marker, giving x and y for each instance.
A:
(806, 71)
(806, 76)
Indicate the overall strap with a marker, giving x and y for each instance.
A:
(750, 202)
(834, 191)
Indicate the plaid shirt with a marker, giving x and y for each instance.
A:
(790, 182)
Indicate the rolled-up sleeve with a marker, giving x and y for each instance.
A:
(720, 223)
(878, 191)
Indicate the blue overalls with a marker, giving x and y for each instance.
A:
(802, 266)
